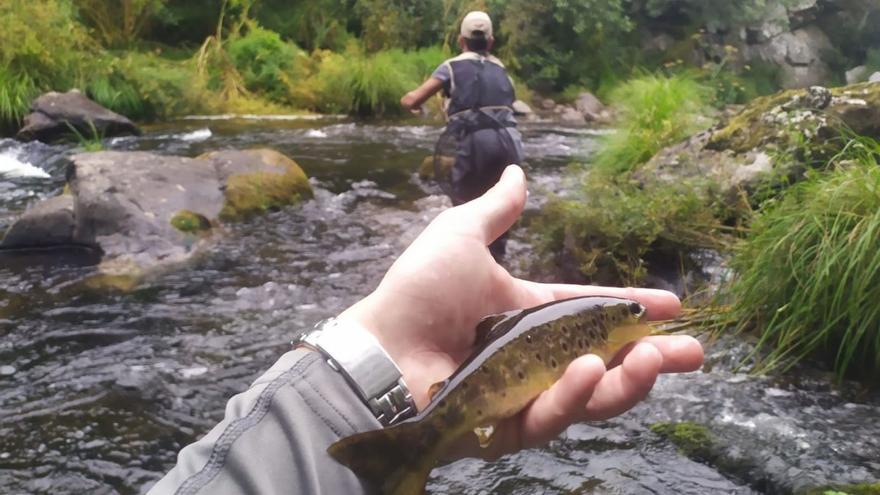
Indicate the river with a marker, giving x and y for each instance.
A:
(100, 389)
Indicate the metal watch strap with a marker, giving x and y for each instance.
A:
(357, 355)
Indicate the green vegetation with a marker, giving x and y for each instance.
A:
(808, 276)
(190, 222)
(608, 226)
(857, 489)
(693, 440)
(653, 111)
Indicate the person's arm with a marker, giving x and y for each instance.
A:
(414, 99)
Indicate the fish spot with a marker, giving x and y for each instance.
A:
(521, 375)
(565, 330)
(538, 357)
(528, 339)
(553, 363)
(564, 347)
(581, 344)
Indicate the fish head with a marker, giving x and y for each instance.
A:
(609, 324)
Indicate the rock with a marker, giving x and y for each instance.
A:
(570, 115)
(47, 223)
(856, 74)
(737, 156)
(125, 203)
(589, 106)
(548, 104)
(144, 211)
(875, 77)
(521, 108)
(799, 55)
(258, 180)
(52, 115)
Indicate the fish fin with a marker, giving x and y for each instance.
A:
(485, 434)
(489, 323)
(394, 460)
(436, 387)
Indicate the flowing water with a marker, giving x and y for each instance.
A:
(99, 389)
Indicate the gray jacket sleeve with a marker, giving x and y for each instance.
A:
(274, 436)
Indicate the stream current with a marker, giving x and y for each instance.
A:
(100, 389)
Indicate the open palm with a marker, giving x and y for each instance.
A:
(426, 309)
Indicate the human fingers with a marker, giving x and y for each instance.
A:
(661, 304)
(494, 212)
(681, 353)
(563, 403)
(623, 387)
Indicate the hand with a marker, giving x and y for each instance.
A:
(425, 311)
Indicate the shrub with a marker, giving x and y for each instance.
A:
(808, 276)
(654, 111)
(362, 84)
(42, 48)
(267, 64)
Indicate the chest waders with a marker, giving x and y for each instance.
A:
(476, 145)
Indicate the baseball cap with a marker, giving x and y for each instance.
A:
(476, 24)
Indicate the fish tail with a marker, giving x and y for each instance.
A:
(393, 459)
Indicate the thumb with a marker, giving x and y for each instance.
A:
(494, 212)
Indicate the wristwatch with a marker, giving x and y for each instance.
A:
(356, 354)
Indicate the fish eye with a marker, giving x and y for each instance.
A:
(635, 308)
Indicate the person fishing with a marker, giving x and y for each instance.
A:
(481, 131)
(414, 329)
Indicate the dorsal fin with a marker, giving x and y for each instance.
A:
(487, 326)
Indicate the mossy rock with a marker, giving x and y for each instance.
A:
(693, 440)
(426, 170)
(256, 181)
(771, 119)
(856, 489)
(190, 222)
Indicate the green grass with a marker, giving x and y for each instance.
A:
(607, 226)
(364, 84)
(654, 111)
(17, 90)
(808, 276)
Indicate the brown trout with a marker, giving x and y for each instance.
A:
(518, 355)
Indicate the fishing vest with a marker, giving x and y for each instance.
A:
(477, 82)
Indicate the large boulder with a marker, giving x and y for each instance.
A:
(768, 137)
(144, 211)
(799, 54)
(591, 108)
(54, 114)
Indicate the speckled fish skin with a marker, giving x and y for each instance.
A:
(522, 355)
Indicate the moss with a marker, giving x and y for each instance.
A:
(854, 107)
(426, 169)
(693, 440)
(281, 183)
(748, 130)
(190, 222)
(857, 489)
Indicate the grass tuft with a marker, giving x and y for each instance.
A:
(808, 276)
(654, 111)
